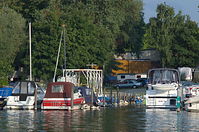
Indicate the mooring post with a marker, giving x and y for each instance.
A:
(111, 96)
(92, 98)
(104, 99)
(114, 98)
(179, 98)
(178, 104)
(72, 97)
(117, 95)
(35, 98)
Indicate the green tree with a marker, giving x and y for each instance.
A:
(93, 28)
(174, 36)
(86, 42)
(12, 35)
(132, 30)
(159, 33)
(186, 43)
(27, 8)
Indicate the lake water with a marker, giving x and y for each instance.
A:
(119, 119)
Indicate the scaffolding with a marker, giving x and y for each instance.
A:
(93, 78)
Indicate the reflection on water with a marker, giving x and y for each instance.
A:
(123, 119)
(166, 120)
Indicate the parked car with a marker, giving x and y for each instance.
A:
(129, 83)
(143, 81)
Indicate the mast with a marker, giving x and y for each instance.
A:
(64, 48)
(30, 79)
(58, 54)
(58, 57)
(30, 48)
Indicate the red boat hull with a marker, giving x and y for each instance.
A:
(60, 103)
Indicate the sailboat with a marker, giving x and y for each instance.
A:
(62, 95)
(25, 94)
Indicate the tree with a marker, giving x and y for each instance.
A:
(186, 43)
(159, 33)
(174, 36)
(93, 28)
(86, 42)
(132, 31)
(27, 8)
(12, 36)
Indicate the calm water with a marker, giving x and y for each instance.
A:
(123, 119)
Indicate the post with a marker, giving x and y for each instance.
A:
(91, 97)
(111, 96)
(35, 97)
(179, 98)
(72, 97)
(178, 103)
(118, 95)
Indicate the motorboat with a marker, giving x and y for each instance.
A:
(65, 96)
(23, 96)
(162, 89)
(191, 100)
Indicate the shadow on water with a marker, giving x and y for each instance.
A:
(120, 119)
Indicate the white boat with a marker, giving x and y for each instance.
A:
(162, 90)
(192, 97)
(23, 96)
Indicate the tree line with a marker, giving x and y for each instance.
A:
(94, 31)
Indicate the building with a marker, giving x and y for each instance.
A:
(129, 63)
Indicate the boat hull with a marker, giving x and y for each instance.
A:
(159, 99)
(61, 103)
(14, 102)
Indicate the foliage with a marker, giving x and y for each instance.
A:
(27, 8)
(86, 42)
(92, 27)
(174, 36)
(131, 32)
(11, 37)
(186, 43)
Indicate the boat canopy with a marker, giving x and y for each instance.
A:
(163, 76)
(26, 87)
(59, 90)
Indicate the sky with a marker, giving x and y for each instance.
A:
(188, 7)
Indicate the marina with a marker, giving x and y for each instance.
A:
(98, 66)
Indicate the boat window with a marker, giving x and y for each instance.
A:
(16, 89)
(156, 77)
(163, 77)
(88, 91)
(122, 76)
(57, 88)
(24, 89)
(31, 87)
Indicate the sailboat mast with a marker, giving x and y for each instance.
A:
(58, 57)
(30, 48)
(64, 49)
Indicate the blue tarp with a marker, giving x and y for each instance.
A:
(5, 91)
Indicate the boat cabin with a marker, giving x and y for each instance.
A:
(62, 95)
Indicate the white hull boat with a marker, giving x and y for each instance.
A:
(162, 88)
(23, 96)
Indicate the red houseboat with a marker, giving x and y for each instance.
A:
(62, 95)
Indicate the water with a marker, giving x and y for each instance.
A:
(121, 119)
